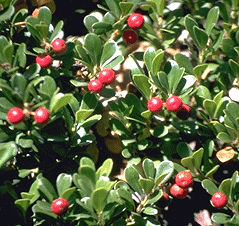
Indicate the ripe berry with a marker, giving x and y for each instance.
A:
(155, 104)
(135, 21)
(130, 36)
(59, 46)
(106, 76)
(178, 192)
(184, 179)
(165, 195)
(59, 206)
(184, 112)
(45, 61)
(15, 115)
(219, 200)
(173, 103)
(42, 116)
(95, 86)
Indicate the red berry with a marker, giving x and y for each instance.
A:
(59, 46)
(184, 112)
(106, 76)
(130, 36)
(219, 200)
(15, 115)
(135, 21)
(45, 61)
(178, 192)
(173, 103)
(95, 86)
(42, 116)
(165, 196)
(59, 206)
(184, 179)
(155, 104)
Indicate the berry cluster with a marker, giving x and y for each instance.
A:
(105, 77)
(173, 104)
(58, 46)
(16, 115)
(135, 22)
(183, 181)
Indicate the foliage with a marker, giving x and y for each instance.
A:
(63, 158)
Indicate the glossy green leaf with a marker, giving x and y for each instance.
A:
(82, 114)
(114, 7)
(68, 193)
(199, 69)
(89, 101)
(57, 30)
(58, 101)
(212, 18)
(147, 184)
(22, 204)
(184, 150)
(45, 15)
(99, 197)
(212, 171)
(157, 61)
(47, 189)
(91, 121)
(197, 156)
(148, 57)
(63, 182)
(85, 161)
(184, 61)
(84, 184)
(210, 187)
(188, 162)
(225, 186)
(150, 210)
(43, 208)
(88, 21)
(7, 152)
(201, 36)
(132, 177)
(210, 106)
(220, 218)
(88, 172)
(7, 14)
(142, 83)
(148, 166)
(92, 43)
(164, 171)
(105, 169)
(125, 7)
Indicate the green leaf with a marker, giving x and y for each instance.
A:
(224, 137)
(57, 30)
(184, 150)
(150, 211)
(92, 43)
(132, 177)
(7, 14)
(190, 23)
(174, 76)
(164, 171)
(225, 186)
(8, 52)
(142, 83)
(148, 166)
(68, 193)
(201, 36)
(148, 57)
(157, 61)
(22, 204)
(43, 208)
(45, 15)
(184, 61)
(188, 162)
(220, 218)
(114, 7)
(209, 186)
(91, 121)
(82, 114)
(88, 21)
(212, 171)
(105, 169)
(89, 101)
(210, 106)
(99, 197)
(47, 189)
(63, 182)
(58, 101)
(147, 184)
(7, 152)
(125, 7)
(212, 18)
(197, 156)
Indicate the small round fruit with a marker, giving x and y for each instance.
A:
(95, 86)
(42, 116)
(59, 206)
(135, 21)
(173, 103)
(219, 200)
(184, 179)
(130, 36)
(106, 76)
(165, 195)
(184, 112)
(15, 115)
(59, 46)
(178, 192)
(155, 104)
(44, 61)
